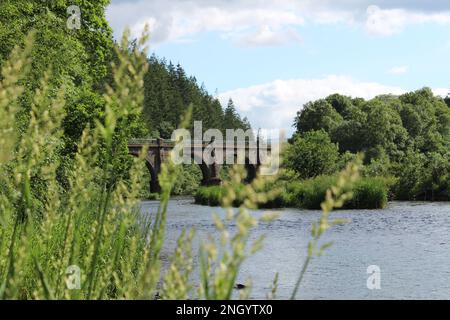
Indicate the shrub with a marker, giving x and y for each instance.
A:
(188, 180)
(209, 196)
(313, 192)
(369, 193)
(312, 154)
(212, 195)
(201, 196)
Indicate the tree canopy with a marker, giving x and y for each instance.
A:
(79, 59)
(409, 134)
(312, 154)
(169, 92)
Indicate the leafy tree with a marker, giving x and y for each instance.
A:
(384, 129)
(379, 166)
(433, 118)
(342, 104)
(406, 136)
(78, 60)
(436, 181)
(350, 136)
(317, 115)
(410, 173)
(411, 120)
(447, 100)
(312, 154)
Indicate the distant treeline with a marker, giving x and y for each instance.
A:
(405, 140)
(406, 137)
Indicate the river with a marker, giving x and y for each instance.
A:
(408, 241)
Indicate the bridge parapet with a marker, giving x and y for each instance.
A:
(151, 142)
(170, 143)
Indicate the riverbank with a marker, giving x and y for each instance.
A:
(368, 193)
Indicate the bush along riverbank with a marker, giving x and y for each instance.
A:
(368, 193)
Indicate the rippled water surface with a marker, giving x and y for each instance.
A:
(409, 241)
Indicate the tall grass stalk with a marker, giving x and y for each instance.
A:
(219, 268)
(96, 227)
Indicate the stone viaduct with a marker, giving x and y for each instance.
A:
(159, 151)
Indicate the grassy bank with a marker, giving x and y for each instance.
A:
(368, 193)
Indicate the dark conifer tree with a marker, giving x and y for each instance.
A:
(169, 92)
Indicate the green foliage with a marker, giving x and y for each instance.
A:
(312, 154)
(384, 131)
(369, 193)
(447, 101)
(94, 225)
(219, 269)
(188, 181)
(423, 176)
(232, 119)
(168, 90)
(406, 137)
(97, 228)
(378, 167)
(317, 115)
(310, 193)
(410, 172)
(209, 196)
(78, 60)
(436, 184)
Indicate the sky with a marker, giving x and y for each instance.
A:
(273, 56)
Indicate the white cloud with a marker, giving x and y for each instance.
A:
(333, 17)
(176, 20)
(265, 36)
(399, 70)
(442, 92)
(269, 22)
(275, 104)
(386, 22)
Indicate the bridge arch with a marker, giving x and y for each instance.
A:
(210, 173)
(252, 171)
(154, 181)
(251, 168)
(152, 169)
(159, 151)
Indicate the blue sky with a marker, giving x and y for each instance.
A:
(272, 56)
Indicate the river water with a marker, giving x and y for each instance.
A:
(408, 241)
